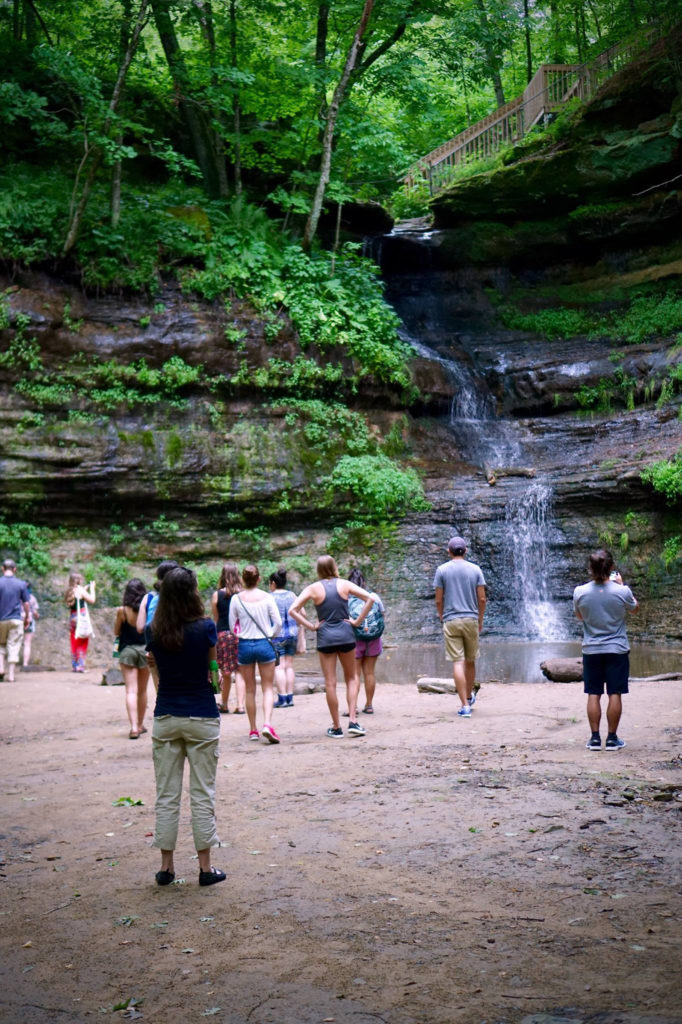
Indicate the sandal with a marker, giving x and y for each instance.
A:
(239, 711)
(143, 729)
(368, 710)
(222, 710)
(132, 735)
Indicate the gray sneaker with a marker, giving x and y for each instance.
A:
(594, 743)
(335, 734)
(613, 743)
(355, 729)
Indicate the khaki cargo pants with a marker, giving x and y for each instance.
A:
(173, 740)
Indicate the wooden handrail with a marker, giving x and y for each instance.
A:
(550, 88)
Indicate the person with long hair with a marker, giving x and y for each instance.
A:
(259, 621)
(335, 636)
(285, 677)
(228, 585)
(30, 627)
(602, 605)
(145, 615)
(186, 722)
(132, 657)
(76, 591)
(368, 649)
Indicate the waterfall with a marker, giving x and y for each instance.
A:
(524, 549)
(529, 527)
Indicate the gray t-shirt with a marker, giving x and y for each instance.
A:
(603, 607)
(459, 580)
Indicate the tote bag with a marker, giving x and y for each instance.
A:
(83, 623)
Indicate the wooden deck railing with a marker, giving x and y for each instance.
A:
(549, 89)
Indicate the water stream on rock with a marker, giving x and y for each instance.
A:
(489, 441)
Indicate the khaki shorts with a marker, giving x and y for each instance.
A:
(11, 637)
(461, 639)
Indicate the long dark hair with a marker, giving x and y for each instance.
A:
(133, 594)
(229, 579)
(179, 603)
(601, 564)
(356, 577)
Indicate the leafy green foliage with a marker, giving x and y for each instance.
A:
(672, 551)
(28, 545)
(665, 477)
(376, 487)
(601, 395)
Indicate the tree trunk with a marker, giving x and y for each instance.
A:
(595, 18)
(236, 106)
(491, 56)
(195, 120)
(556, 52)
(321, 55)
(526, 31)
(206, 20)
(328, 138)
(117, 169)
(77, 216)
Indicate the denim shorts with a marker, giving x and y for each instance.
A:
(285, 647)
(255, 652)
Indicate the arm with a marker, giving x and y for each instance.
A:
(481, 600)
(298, 615)
(366, 597)
(118, 621)
(214, 606)
(234, 614)
(27, 612)
(142, 614)
(439, 602)
(275, 616)
(88, 593)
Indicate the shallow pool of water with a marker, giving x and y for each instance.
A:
(504, 661)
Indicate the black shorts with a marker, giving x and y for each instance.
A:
(610, 670)
(337, 649)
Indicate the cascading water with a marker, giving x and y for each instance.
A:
(525, 552)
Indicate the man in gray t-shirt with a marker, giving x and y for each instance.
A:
(460, 603)
(14, 616)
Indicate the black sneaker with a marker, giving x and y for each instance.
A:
(212, 876)
(613, 743)
(335, 734)
(355, 729)
(594, 743)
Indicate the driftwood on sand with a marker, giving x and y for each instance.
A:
(493, 472)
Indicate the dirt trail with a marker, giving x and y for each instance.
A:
(437, 871)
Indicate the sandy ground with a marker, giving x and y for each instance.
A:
(437, 871)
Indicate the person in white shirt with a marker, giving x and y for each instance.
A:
(259, 621)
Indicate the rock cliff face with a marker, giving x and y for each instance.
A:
(218, 463)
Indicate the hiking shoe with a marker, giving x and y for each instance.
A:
(613, 743)
(254, 735)
(471, 700)
(355, 729)
(594, 743)
(335, 734)
(270, 734)
(464, 712)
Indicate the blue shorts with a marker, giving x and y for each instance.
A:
(610, 670)
(255, 652)
(287, 647)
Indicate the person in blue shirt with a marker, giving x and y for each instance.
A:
(186, 721)
(601, 605)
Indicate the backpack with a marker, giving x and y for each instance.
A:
(372, 626)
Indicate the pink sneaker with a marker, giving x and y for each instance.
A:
(253, 735)
(270, 734)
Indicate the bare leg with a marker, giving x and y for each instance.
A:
(267, 678)
(249, 674)
(594, 711)
(328, 666)
(459, 676)
(130, 679)
(281, 678)
(225, 685)
(28, 637)
(369, 673)
(470, 676)
(240, 687)
(167, 861)
(204, 859)
(350, 672)
(2, 662)
(142, 684)
(155, 676)
(614, 709)
(290, 674)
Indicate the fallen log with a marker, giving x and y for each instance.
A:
(492, 473)
(432, 684)
(656, 679)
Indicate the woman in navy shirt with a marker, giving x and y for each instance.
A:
(186, 721)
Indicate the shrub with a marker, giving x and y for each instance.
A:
(28, 545)
(377, 487)
(666, 477)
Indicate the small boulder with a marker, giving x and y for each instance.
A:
(112, 677)
(563, 670)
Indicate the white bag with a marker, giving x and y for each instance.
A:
(83, 624)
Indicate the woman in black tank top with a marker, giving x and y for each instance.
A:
(335, 636)
(132, 656)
